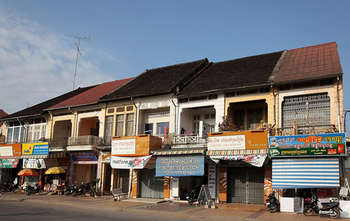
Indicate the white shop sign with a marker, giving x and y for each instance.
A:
(34, 164)
(234, 142)
(6, 151)
(129, 162)
(123, 146)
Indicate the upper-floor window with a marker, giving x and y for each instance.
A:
(36, 132)
(15, 134)
(310, 110)
(123, 118)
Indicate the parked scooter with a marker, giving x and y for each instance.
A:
(272, 203)
(192, 196)
(330, 209)
(31, 189)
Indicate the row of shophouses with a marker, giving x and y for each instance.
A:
(242, 127)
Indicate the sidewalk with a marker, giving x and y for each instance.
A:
(160, 208)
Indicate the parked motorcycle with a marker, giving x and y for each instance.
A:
(192, 196)
(330, 209)
(31, 189)
(272, 203)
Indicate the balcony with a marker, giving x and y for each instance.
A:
(58, 144)
(85, 140)
(189, 141)
(2, 139)
(314, 129)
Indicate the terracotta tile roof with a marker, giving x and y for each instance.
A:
(313, 62)
(158, 81)
(225, 75)
(92, 95)
(2, 113)
(39, 108)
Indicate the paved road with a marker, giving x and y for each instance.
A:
(63, 208)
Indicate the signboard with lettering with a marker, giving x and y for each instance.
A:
(123, 146)
(10, 151)
(234, 142)
(308, 145)
(212, 178)
(179, 166)
(34, 164)
(8, 163)
(35, 148)
(238, 140)
(129, 162)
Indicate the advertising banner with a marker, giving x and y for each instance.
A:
(123, 146)
(129, 162)
(8, 163)
(34, 164)
(179, 166)
(308, 145)
(226, 142)
(10, 151)
(35, 148)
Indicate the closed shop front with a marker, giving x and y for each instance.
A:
(151, 186)
(245, 185)
(241, 159)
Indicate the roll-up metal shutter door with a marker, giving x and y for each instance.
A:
(305, 173)
(255, 185)
(151, 186)
(246, 185)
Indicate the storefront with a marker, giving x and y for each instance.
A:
(33, 155)
(130, 157)
(241, 159)
(83, 168)
(304, 162)
(9, 160)
(183, 170)
(106, 172)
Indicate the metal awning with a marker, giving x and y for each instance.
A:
(255, 157)
(305, 173)
(34, 156)
(182, 151)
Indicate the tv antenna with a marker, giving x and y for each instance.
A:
(77, 45)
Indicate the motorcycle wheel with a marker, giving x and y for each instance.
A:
(273, 210)
(335, 214)
(308, 211)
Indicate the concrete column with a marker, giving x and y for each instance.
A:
(99, 172)
(219, 110)
(112, 180)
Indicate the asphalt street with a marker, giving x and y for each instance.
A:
(32, 211)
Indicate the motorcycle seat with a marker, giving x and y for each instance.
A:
(330, 204)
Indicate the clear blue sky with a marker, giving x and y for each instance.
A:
(127, 37)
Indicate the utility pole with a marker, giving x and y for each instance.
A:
(77, 45)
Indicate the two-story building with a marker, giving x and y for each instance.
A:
(26, 138)
(146, 105)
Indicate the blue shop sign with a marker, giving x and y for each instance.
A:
(179, 166)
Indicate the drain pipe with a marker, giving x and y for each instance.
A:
(338, 100)
(176, 109)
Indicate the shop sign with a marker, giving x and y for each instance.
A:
(8, 163)
(234, 142)
(35, 148)
(123, 146)
(212, 179)
(85, 157)
(129, 162)
(10, 150)
(178, 166)
(308, 145)
(34, 164)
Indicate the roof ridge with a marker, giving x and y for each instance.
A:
(174, 65)
(317, 45)
(252, 56)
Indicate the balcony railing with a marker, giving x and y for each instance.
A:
(85, 140)
(315, 129)
(2, 139)
(58, 143)
(188, 141)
